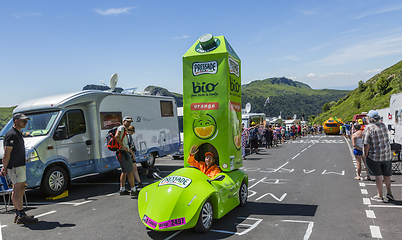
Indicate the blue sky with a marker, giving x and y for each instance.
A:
(52, 47)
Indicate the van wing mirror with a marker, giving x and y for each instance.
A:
(60, 133)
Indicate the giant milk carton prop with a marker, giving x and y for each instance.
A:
(212, 101)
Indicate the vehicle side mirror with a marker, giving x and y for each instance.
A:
(218, 178)
(60, 133)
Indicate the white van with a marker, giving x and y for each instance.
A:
(387, 119)
(395, 108)
(65, 136)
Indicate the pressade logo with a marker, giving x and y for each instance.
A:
(205, 68)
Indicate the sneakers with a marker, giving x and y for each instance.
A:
(377, 198)
(25, 220)
(139, 185)
(125, 192)
(134, 193)
(30, 216)
(390, 197)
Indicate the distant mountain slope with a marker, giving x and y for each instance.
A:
(5, 115)
(375, 93)
(287, 97)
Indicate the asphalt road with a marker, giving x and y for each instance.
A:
(302, 189)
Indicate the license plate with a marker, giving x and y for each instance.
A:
(172, 223)
(149, 221)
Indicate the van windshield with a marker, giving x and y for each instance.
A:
(38, 125)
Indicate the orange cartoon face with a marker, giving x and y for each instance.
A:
(204, 126)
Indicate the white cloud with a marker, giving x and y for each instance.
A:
(384, 10)
(311, 75)
(182, 37)
(309, 12)
(27, 14)
(114, 11)
(379, 47)
(373, 71)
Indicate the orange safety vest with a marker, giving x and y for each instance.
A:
(202, 166)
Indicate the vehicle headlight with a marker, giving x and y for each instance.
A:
(31, 155)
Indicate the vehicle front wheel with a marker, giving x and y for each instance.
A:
(206, 218)
(150, 162)
(243, 194)
(54, 181)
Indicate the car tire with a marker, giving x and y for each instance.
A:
(206, 218)
(54, 181)
(243, 194)
(150, 162)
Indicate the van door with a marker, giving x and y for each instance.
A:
(162, 140)
(75, 144)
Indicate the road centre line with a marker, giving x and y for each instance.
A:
(375, 231)
(385, 206)
(267, 175)
(173, 235)
(309, 228)
(370, 214)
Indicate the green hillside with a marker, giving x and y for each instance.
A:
(375, 93)
(287, 97)
(5, 115)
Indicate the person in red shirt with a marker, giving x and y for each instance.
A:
(208, 167)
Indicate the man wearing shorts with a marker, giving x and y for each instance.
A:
(125, 159)
(14, 166)
(377, 152)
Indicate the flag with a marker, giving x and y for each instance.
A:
(266, 101)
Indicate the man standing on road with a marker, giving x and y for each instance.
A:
(14, 166)
(125, 159)
(377, 152)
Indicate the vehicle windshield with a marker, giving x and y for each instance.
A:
(38, 125)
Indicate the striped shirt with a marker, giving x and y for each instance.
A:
(376, 136)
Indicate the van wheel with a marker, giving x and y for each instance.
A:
(206, 218)
(243, 194)
(54, 181)
(150, 162)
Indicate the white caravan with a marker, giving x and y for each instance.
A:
(395, 108)
(65, 136)
(387, 119)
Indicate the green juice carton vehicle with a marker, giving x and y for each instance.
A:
(188, 198)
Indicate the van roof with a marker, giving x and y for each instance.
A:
(62, 101)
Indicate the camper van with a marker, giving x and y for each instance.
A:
(65, 136)
(395, 108)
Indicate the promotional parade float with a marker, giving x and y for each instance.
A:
(188, 198)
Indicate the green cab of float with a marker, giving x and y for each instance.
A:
(212, 101)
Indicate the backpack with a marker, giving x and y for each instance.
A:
(253, 134)
(111, 142)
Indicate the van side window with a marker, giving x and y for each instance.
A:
(75, 122)
(167, 109)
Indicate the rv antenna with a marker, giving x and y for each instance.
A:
(113, 81)
(248, 107)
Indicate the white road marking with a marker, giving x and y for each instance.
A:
(1, 234)
(364, 191)
(273, 196)
(266, 177)
(370, 214)
(342, 173)
(250, 195)
(308, 171)
(173, 235)
(385, 206)
(74, 204)
(44, 214)
(309, 228)
(362, 184)
(393, 185)
(366, 201)
(254, 225)
(375, 231)
(296, 156)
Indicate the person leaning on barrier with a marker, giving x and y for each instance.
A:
(208, 167)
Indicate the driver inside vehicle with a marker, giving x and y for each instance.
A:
(208, 167)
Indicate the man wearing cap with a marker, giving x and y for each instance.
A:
(125, 159)
(14, 166)
(208, 167)
(377, 152)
